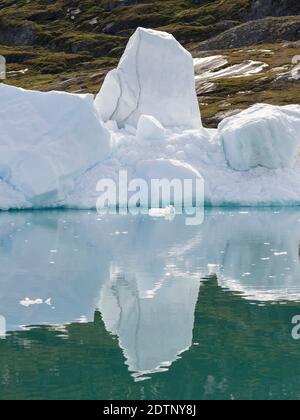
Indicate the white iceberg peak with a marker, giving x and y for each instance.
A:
(155, 76)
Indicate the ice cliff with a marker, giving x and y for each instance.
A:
(55, 147)
(47, 140)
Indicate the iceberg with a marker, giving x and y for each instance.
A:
(46, 141)
(263, 135)
(155, 77)
(55, 147)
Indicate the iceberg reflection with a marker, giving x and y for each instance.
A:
(261, 258)
(153, 331)
(143, 274)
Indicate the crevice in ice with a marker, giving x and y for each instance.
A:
(13, 187)
(118, 100)
(150, 81)
(138, 81)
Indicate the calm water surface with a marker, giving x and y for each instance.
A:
(133, 307)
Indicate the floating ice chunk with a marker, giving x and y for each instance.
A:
(167, 213)
(48, 302)
(149, 128)
(47, 140)
(263, 135)
(27, 302)
(155, 76)
(30, 302)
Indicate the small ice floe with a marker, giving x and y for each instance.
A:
(168, 212)
(30, 302)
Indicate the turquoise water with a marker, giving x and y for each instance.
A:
(135, 307)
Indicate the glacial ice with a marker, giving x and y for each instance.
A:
(46, 141)
(165, 169)
(54, 147)
(155, 77)
(263, 135)
(149, 128)
(169, 170)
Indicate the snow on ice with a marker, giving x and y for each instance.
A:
(55, 147)
(149, 128)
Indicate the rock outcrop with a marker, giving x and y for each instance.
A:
(268, 30)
